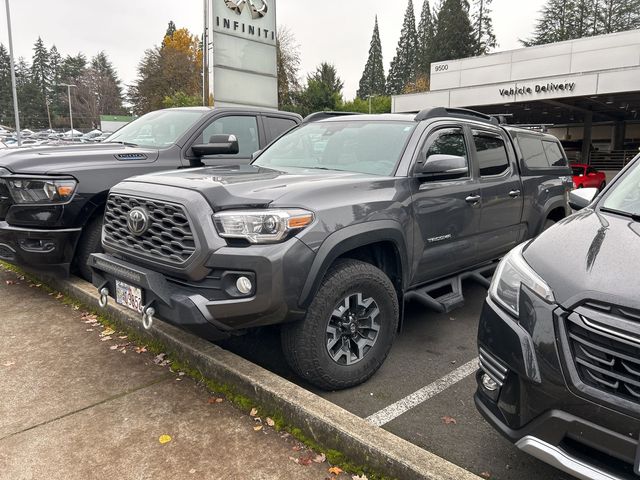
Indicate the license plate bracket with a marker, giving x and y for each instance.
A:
(129, 296)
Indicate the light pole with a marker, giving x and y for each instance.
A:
(70, 112)
(13, 78)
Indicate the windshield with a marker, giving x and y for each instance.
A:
(351, 146)
(624, 197)
(158, 129)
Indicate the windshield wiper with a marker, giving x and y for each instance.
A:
(633, 216)
(126, 144)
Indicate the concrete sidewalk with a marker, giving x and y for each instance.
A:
(76, 406)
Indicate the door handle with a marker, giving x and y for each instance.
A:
(473, 199)
(514, 193)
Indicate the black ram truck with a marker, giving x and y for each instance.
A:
(330, 230)
(52, 197)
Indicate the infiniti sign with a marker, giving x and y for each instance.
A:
(238, 5)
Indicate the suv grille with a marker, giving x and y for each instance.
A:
(168, 238)
(605, 343)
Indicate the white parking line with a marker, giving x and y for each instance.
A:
(407, 403)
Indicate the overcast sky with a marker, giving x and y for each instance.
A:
(338, 31)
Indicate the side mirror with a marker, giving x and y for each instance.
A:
(582, 197)
(440, 164)
(218, 145)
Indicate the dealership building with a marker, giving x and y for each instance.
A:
(586, 92)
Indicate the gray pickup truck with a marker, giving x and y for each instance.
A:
(329, 231)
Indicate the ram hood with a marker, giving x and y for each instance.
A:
(60, 159)
(590, 255)
(249, 186)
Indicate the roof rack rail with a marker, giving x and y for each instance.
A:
(314, 117)
(434, 112)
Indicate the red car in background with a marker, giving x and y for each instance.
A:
(585, 176)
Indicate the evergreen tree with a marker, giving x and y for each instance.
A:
(403, 66)
(483, 27)
(373, 81)
(32, 114)
(454, 37)
(426, 36)
(568, 19)
(40, 67)
(323, 91)
(73, 68)
(6, 98)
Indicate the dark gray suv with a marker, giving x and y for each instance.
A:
(329, 230)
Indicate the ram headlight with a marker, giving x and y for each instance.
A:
(511, 274)
(261, 226)
(40, 189)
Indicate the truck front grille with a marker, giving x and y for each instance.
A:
(5, 199)
(605, 345)
(168, 237)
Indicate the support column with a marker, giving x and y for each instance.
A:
(586, 138)
(618, 136)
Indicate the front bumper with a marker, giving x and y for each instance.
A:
(534, 406)
(212, 307)
(41, 249)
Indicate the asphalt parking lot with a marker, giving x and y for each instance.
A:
(424, 391)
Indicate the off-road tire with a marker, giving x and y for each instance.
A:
(90, 242)
(304, 343)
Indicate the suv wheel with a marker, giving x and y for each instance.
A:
(348, 330)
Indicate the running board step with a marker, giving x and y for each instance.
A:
(446, 295)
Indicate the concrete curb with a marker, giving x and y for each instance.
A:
(330, 426)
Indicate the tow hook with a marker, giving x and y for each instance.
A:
(147, 317)
(104, 297)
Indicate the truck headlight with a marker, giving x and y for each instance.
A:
(261, 226)
(40, 189)
(511, 274)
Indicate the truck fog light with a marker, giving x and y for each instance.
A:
(244, 285)
(489, 383)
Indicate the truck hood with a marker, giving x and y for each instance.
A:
(590, 255)
(248, 186)
(52, 159)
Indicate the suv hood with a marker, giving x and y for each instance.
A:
(590, 255)
(68, 158)
(249, 186)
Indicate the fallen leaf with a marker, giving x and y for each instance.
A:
(211, 400)
(104, 339)
(219, 400)
(335, 470)
(164, 439)
(89, 329)
(485, 475)
(76, 307)
(257, 428)
(140, 349)
(296, 448)
(192, 471)
(270, 422)
(10, 282)
(8, 364)
(449, 420)
(123, 337)
(114, 347)
(107, 332)
(59, 296)
(306, 461)
(293, 459)
(159, 358)
(320, 458)
(182, 374)
(253, 412)
(359, 477)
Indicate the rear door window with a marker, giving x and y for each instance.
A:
(492, 154)
(276, 126)
(533, 152)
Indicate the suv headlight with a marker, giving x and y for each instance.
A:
(261, 226)
(40, 189)
(511, 274)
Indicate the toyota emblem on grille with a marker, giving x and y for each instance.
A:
(138, 221)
